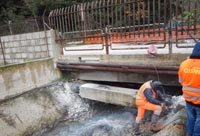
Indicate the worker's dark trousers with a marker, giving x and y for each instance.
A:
(193, 119)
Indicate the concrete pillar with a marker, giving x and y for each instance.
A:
(54, 48)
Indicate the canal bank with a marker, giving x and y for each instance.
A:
(27, 107)
(56, 110)
(104, 119)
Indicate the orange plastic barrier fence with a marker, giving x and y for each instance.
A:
(140, 36)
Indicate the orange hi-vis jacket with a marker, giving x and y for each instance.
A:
(189, 77)
(140, 97)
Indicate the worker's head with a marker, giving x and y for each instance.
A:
(156, 85)
(196, 51)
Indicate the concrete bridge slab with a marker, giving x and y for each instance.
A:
(127, 54)
(108, 94)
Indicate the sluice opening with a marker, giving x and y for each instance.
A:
(169, 89)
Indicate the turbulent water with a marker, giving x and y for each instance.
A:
(110, 121)
(89, 118)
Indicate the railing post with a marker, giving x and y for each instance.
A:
(10, 28)
(45, 32)
(170, 38)
(2, 52)
(107, 39)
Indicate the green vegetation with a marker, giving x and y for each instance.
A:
(194, 13)
(19, 10)
(12, 11)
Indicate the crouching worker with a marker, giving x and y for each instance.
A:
(149, 97)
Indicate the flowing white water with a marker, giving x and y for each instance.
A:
(88, 118)
(84, 117)
(109, 122)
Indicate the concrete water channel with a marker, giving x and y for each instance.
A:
(105, 119)
(91, 118)
(84, 117)
(31, 100)
(34, 101)
(30, 109)
(56, 109)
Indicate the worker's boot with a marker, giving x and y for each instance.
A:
(136, 129)
(154, 126)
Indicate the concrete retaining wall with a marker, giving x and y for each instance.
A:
(17, 79)
(39, 109)
(27, 114)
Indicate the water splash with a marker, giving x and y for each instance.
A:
(110, 122)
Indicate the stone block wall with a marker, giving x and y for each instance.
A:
(25, 47)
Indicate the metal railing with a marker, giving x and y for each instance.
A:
(135, 21)
(23, 26)
(10, 47)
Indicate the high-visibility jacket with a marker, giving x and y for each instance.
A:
(140, 97)
(189, 77)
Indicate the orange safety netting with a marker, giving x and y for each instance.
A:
(140, 36)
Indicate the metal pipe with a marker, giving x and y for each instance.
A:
(4, 59)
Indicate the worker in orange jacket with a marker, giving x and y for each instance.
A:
(149, 97)
(189, 78)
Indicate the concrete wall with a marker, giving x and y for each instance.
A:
(40, 109)
(138, 59)
(34, 54)
(134, 59)
(17, 79)
(171, 80)
(29, 46)
(27, 114)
